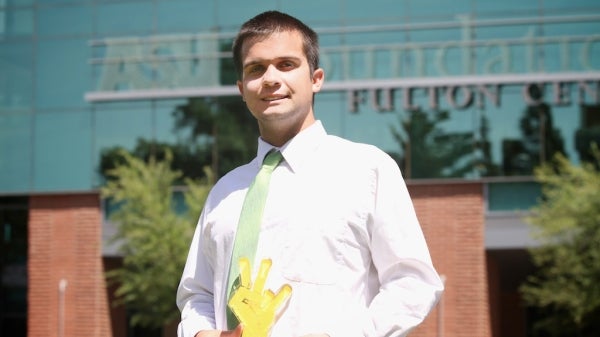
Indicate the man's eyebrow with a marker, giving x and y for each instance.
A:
(251, 63)
(282, 58)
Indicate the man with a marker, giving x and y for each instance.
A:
(338, 223)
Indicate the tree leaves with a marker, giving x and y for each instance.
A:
(567, 224)
(154, 236)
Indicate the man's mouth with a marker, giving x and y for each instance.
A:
(274, 98)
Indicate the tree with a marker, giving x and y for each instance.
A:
(540, 141)
(154, 237)
(224, 124)
(187, 158)
(221, 132)
(431, 152)
(565, 289)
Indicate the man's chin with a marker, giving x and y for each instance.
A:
(273, 112)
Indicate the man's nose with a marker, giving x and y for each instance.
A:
(271, 76)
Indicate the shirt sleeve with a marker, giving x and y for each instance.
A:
(195, 295)
(409, 284)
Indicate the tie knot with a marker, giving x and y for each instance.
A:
(272, 159)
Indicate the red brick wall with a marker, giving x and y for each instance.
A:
(118, 313)
(452, 216)
(65, 243)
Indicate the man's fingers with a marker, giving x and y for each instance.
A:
(237, 332)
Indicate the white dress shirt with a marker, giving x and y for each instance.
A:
(340, 228)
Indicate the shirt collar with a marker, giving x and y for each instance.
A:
(298, 149)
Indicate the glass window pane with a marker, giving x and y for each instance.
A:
(504, 133)
(384, 12)
(331, 109)
(16, 81)
(122, 124)
(513, 196)
(72, 20)
(525, 134)
(436, 10)
(16, 22)
(565, 6)
(574, 49)
(566, 121)
(165, 61)
(165, 128)
(51, 2)
(498, 55)
(185, 16)
(231, 20)
(507, 8)
(330, 13)
(19, 2)
(119, 125)
(63, 73)
(62, 151)
(123, 19)
(15, 152)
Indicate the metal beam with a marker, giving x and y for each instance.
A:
(399, 83)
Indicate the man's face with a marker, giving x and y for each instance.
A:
(277, 84)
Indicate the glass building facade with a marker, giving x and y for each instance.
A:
(461, 90)
(500, 87)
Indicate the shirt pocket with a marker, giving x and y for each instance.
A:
(314, 253)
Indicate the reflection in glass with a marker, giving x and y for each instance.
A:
(589, 132)
(540, 140)
(430, 151)
(215, 132)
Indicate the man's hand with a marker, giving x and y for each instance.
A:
(254, 307)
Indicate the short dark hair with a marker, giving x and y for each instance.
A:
(267, 23)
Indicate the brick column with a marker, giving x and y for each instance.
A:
(65, 244)
(452, 216)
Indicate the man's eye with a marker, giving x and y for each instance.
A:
(254, 70)
(287, 65)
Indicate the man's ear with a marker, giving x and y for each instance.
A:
(318, 78)
(240, 86)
